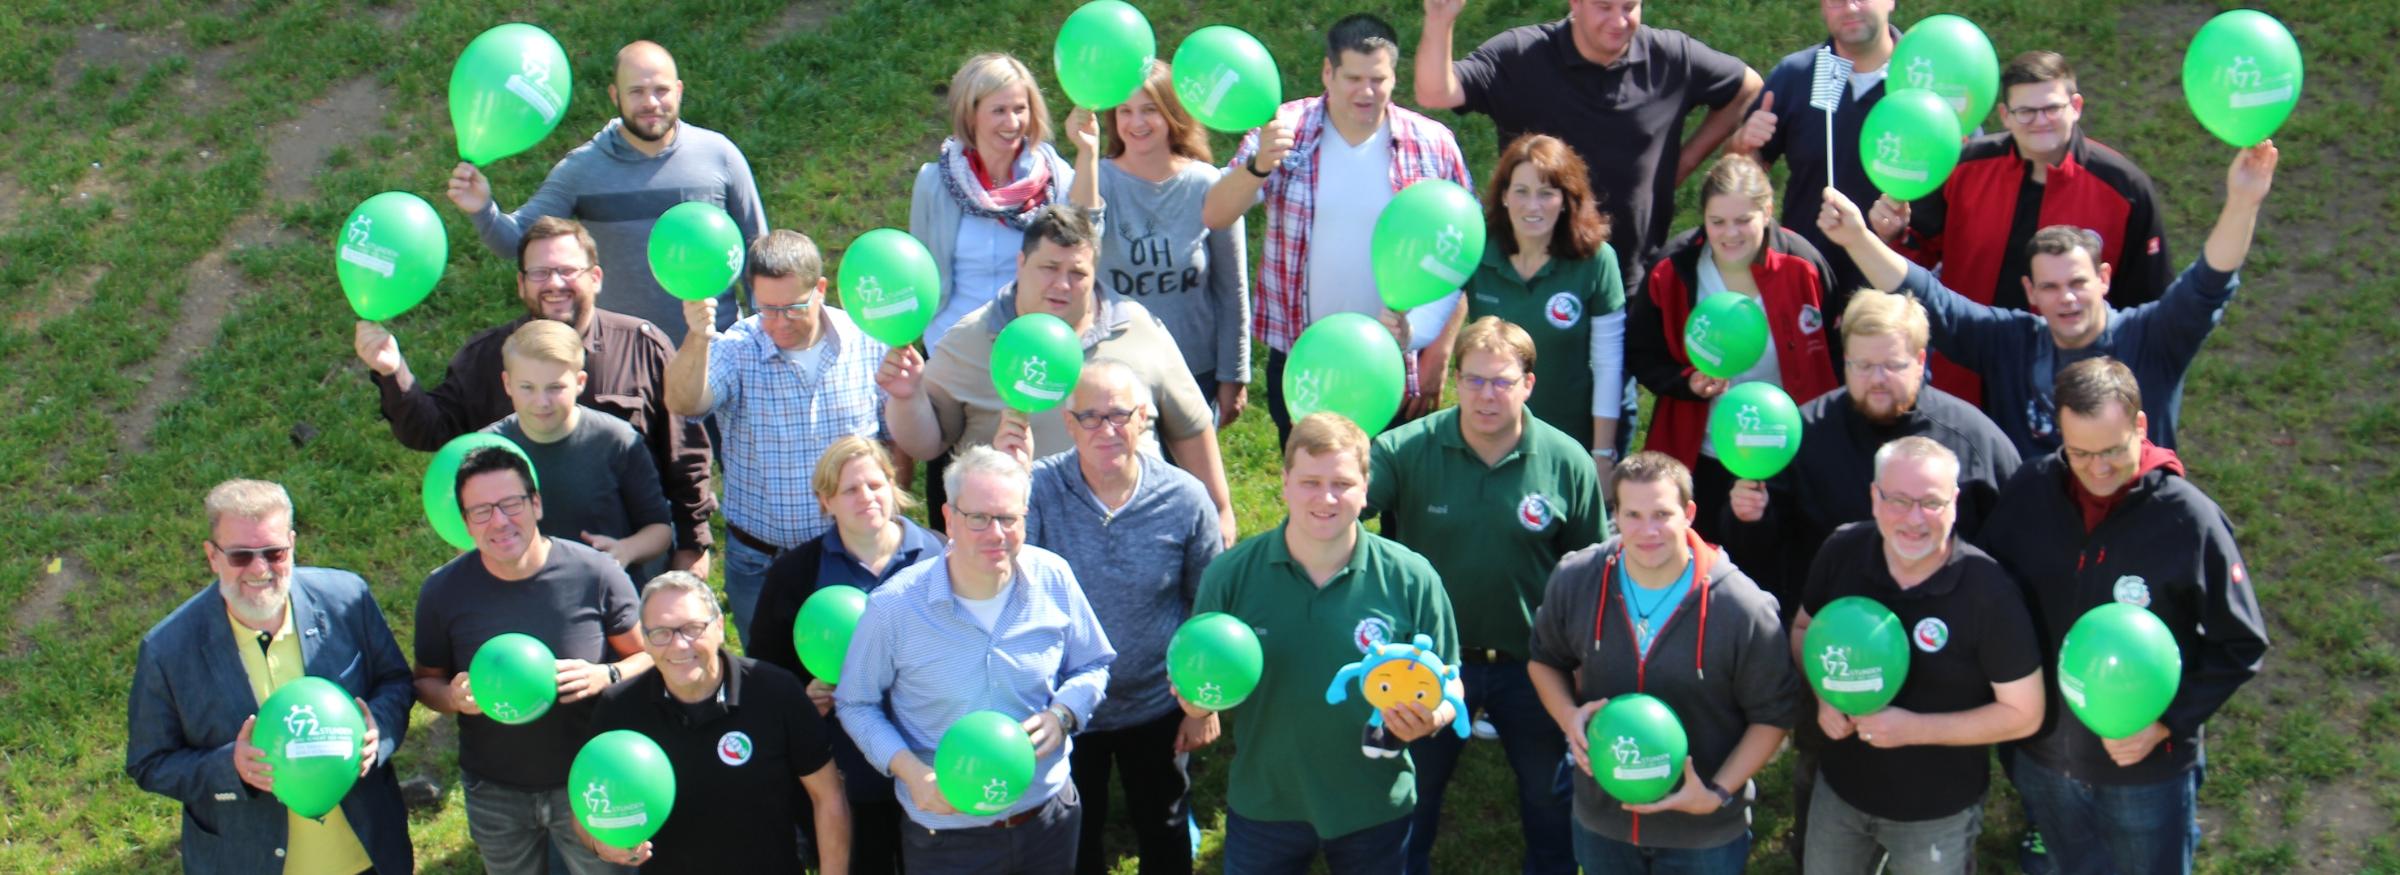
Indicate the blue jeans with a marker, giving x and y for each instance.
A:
(515, 831)
(1601, 855)
(1842, 839)
(1284, 847)
(1536, 752)
(745, 577)
(2092, 829)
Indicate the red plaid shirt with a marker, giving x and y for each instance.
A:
(1421, 149)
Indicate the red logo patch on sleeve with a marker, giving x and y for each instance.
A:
(2240, 576)
(2154, 246)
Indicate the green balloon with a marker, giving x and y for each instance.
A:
(1427, 241)
(389, 255)
(514, 678)
(890, 286)
(822, 632)
(2242, 76)
(313, 734)
(508, 90)
(1035, 362)
(1755, 429)
(1725, 335)
(1104, 49)
(1226, 79)
(622, 788)
(1951, 57)
(1637, 747)
(440, 490)
(984, 763)
(1349, 364)
(1909, 143)
(1215, 661)
(2118, 668)
(1855, 655)
(695, 250)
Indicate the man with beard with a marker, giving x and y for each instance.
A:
(204, 670)
(625, 359)
(645, 161)
(1782, 124)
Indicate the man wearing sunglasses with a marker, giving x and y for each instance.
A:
(784, 383)
(1138, 532)
(203, 672)
(2041, 171)
(558, 278)
(576, 601)
(1493, 497)
(991, 625)
(738, 732)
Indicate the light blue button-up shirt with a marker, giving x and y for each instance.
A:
(918, 662)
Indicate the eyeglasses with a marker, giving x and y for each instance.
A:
(2112, 454)
(1090, 419)
(243, 556)
(1866, 368)
(793, 312)
(2026, 114)
(665, 635)
(1901, 504)
(977, 522)
(546, 274)
(512, 505)
(1472, 383)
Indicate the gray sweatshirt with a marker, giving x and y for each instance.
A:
(1139, 568)
(618, 193)
(1193, 279)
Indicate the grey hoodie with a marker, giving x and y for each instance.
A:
(1744, 677)
(618, 193)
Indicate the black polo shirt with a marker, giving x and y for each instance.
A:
(1968, 629)
(1625, 119)
(738, 759)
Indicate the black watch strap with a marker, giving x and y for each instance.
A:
(1252, 165)
(615, 674)
(1724, 796)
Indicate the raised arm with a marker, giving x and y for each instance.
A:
(1437, 82)
(2246, 185)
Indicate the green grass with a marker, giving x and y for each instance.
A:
(150, 129)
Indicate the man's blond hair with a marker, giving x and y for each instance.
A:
(543, 340)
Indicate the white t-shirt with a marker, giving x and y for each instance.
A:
(1767, 370)
(987, 611)
(808, 362)
(1861, 83)
(1353, 185)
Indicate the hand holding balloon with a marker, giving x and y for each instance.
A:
(370, 743)
(1015, 436)
(1274, 142)
(579, 680)
(469, 189)
(1748, 500)
(2252, 174)
(1840, 221)
(924, 787)
(2136, 747)
(820, 695)
(1196, 732)
(1706, 386)
(1837, 725)
(1083, 129)
(1891, 727)
(1577, 742)
(378, 348)
(1690, 797)
(1889, 217)
(1044, 730)
(250, 761)
(700, 319)
(902, 373)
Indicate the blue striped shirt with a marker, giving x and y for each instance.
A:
(918, 662)
(776, 424)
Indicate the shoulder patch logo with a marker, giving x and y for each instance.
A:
(1812, 320)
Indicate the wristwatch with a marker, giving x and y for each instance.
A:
(1724, 796)
(1609, 453)
(615, 674)
(1252, 166)
(1066, 718)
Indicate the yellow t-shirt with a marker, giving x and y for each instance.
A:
(329, 846)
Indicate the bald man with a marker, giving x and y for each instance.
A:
(643, 162)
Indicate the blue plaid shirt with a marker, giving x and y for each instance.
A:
(919, 662)
(775, 427)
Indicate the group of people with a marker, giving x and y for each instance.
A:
(1988, 463)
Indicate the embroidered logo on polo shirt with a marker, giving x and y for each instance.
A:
(2240, 576)
(1534, 513)
(1564, 309)
(1812, 320)
(734, 749)
(1371, 633)
(1931, 634)
(2132, 590)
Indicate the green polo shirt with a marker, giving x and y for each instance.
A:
(1557, 307)
(1297, 758)
(1493, 532)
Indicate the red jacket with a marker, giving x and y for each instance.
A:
(1796, 287)
(1976, 227)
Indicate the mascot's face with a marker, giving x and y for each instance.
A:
(1402, 680)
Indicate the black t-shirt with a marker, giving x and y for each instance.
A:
(738, 763)
(573, 604)
(1968, 629)
(1625, 119)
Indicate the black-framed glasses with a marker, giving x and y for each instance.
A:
(546, 274)
(978, 522)
(794, 312)
(2026, 114)
(1474, 383)
(1090, 419)
(665, 635)
(2116, 453)
(241, 557)
(1902, 504)
(482, 513)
